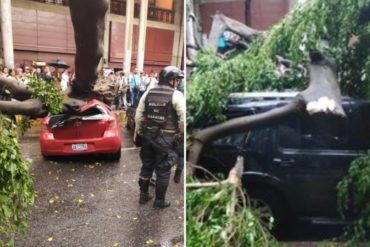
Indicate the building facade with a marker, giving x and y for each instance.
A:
(147, 34)
(258, 14)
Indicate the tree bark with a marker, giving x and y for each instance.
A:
(88, 23)
(238, 125)
(17, 91)
(30, 107)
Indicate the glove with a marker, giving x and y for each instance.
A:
(137, 139)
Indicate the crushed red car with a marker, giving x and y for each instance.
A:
(92, 130)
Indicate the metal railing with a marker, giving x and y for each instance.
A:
(119, 7)
(58, 2)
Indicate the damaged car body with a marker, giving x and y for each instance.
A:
(91, 130)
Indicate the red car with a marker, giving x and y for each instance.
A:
(93, 130)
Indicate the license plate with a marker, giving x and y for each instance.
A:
(79, 147)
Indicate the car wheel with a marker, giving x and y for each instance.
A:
(115, 156)
(46, 157)
(268, 204)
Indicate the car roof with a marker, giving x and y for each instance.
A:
(255, 102)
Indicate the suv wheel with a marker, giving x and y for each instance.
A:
(267, 204)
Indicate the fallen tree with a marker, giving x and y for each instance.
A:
(345, 39)
(37, 100)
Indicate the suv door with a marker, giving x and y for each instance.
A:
(220, 155)
(312, 155)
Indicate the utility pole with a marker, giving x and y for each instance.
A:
(7, 32)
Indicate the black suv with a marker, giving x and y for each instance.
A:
(291, 168)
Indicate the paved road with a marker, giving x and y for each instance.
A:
(92, 202)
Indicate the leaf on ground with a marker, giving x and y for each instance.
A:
(80, 202)
(119, 216)
(149, 241)
(134, 218)
(50, 239)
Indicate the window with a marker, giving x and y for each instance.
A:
(232, 140)
(319, 132)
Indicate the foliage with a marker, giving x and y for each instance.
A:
(353, 194)
(302, 30)
(47, 93)
(16, 190)
(212, 220)
(24, 124)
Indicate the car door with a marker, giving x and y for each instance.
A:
(311, 156)
(220, 155)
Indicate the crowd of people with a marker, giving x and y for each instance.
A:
(23, 73)
(130, 87)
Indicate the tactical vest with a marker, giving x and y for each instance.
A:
(159, 110)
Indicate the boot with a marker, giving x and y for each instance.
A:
(144, 198)
(161, 204)
(177, 176)
(144, 191)
(160, 193)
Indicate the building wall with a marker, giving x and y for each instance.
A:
(44, 32)
(261, 14)
(40, 36)
(265, 13)
(231, 8)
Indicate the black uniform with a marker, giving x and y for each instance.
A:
(159, 142)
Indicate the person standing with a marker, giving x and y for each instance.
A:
(64, 82)
(160, 124)
(134, 84)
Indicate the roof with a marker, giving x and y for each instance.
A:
(240, 104)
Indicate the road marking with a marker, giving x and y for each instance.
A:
(130, 148)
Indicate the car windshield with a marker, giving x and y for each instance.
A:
(96, 112)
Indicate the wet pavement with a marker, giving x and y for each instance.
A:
(92, 202)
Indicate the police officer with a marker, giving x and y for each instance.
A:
(159, 122)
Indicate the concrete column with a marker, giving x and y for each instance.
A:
(142, 34)
(128, 35)
(178, 8)
(178, 47)
(106, 38)
(7, 32)
(178, 41)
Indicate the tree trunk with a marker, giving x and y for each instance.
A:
(88, 23)
(321, 96)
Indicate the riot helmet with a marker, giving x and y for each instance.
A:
(168, 74)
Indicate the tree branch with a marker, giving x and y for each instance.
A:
(30, 107)
(18, 91)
